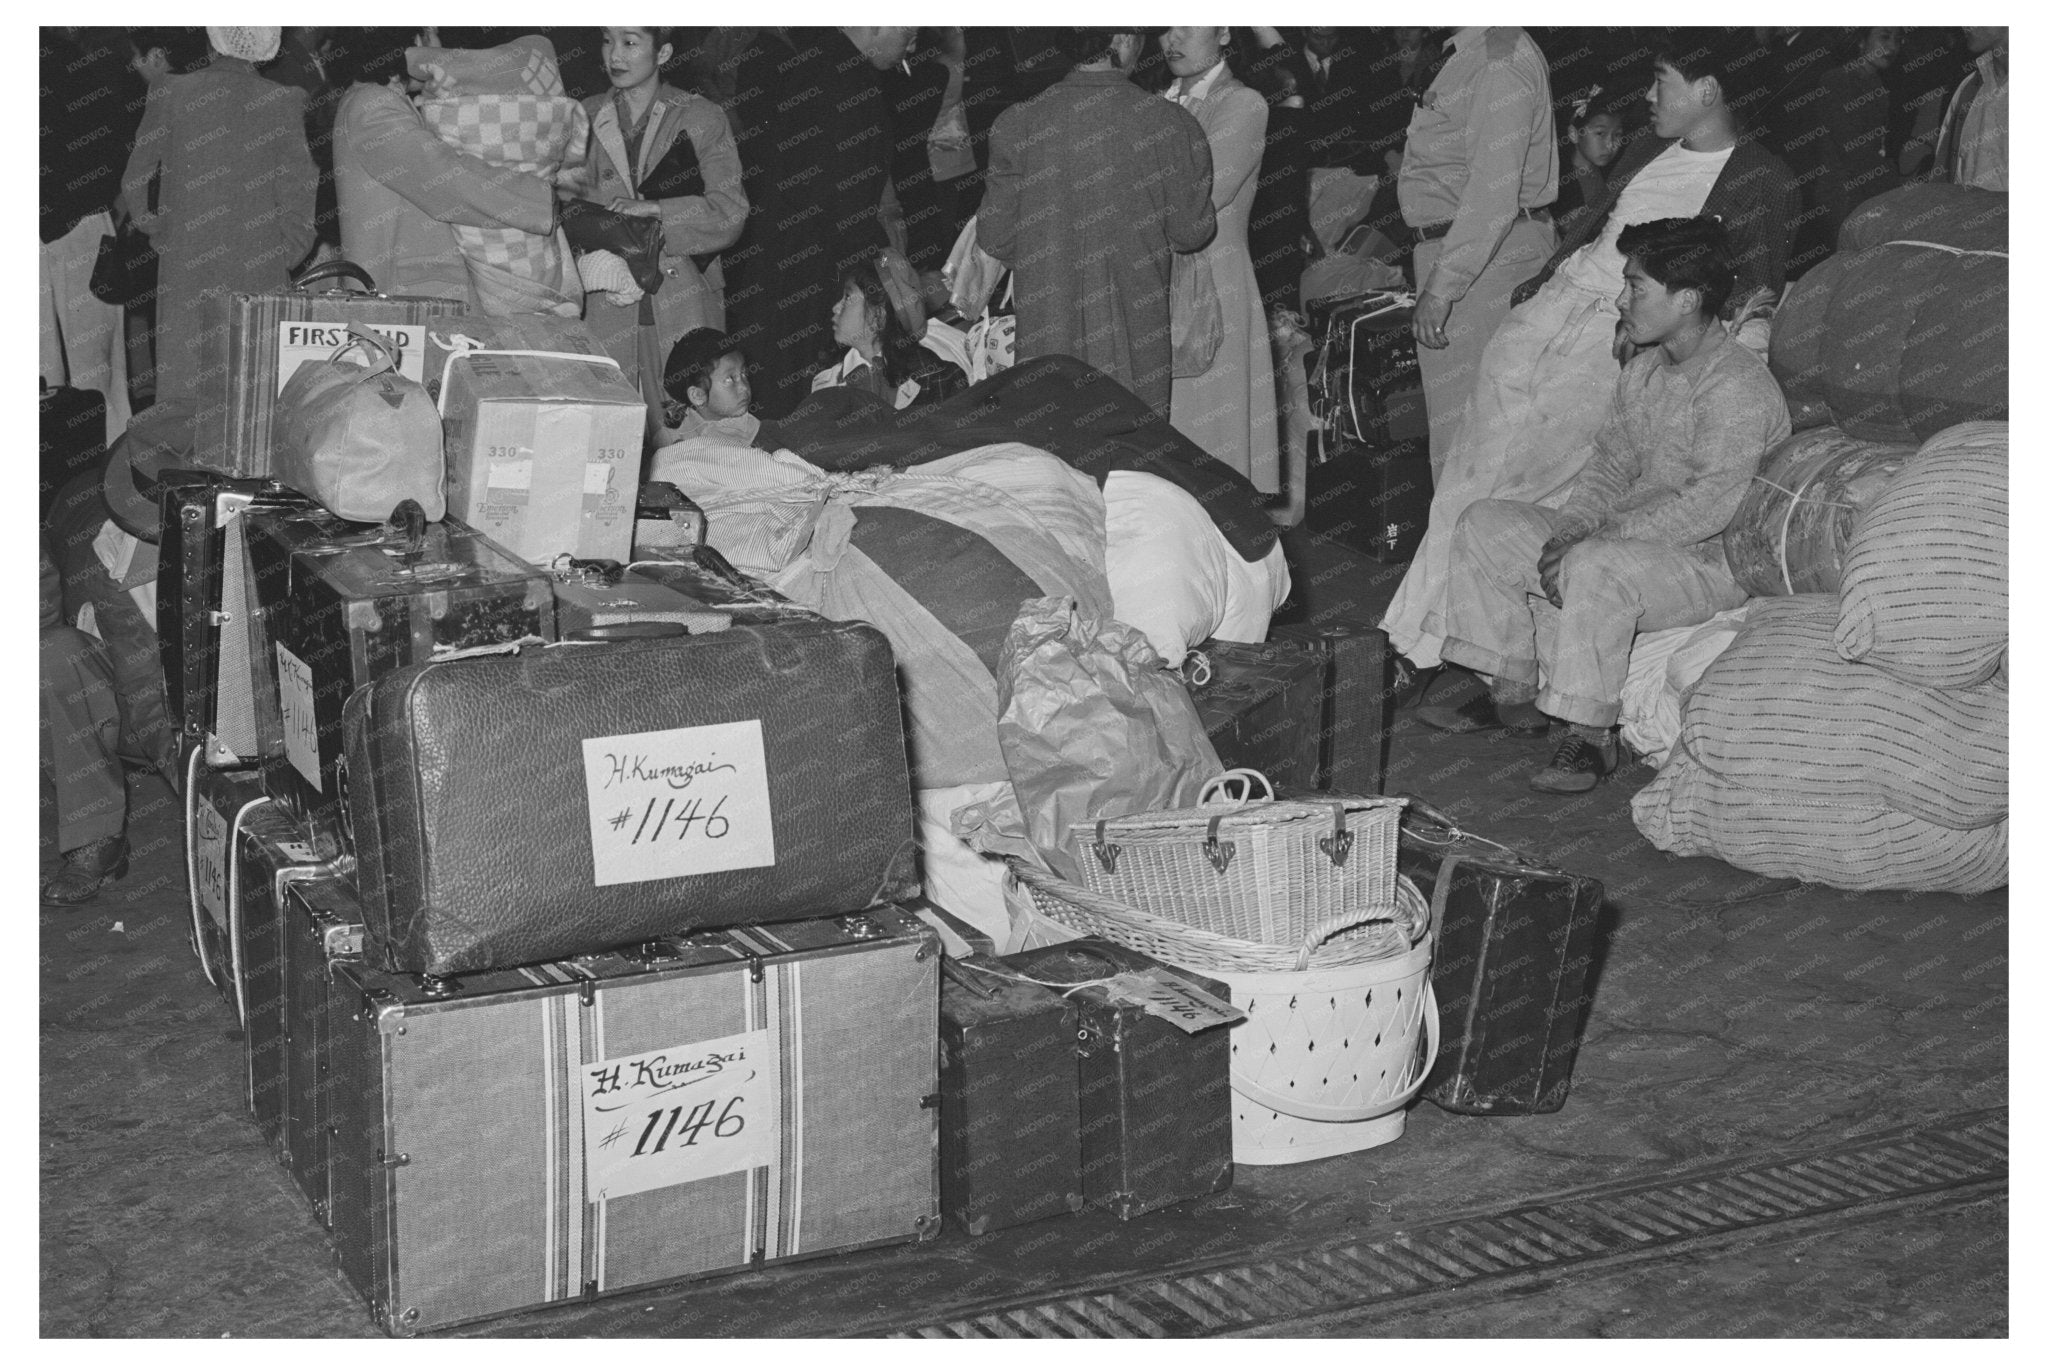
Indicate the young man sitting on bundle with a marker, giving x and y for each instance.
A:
(1547, 603)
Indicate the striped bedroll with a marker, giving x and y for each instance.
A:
(1780, 712)
(1924, 583)
(1689, 810)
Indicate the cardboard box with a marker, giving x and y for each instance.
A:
(543, 449)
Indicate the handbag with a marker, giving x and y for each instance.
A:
(1197, 316)
(124, 272)
(360, 440)
(636, 241)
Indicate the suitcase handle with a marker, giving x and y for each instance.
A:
(333, 270)
(629, 630)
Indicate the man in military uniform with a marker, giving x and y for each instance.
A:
(1477, 177)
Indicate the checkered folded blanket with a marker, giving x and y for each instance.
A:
(506, 105)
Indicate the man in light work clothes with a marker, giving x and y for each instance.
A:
(1477, 178)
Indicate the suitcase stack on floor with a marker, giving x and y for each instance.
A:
(567, 960)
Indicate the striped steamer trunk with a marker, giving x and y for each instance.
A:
(583, 1128)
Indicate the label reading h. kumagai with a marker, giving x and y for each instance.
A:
(677, 803)
(295, 701)
(210, 861)
(299, 342)
(678, 1114)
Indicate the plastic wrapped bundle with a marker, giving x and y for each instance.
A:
(1793, 529)
(1924, 592)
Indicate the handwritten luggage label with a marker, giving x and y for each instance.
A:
(1186, 1006)
(301, 341)
(678, 1114)
(295, 700)
(210, 836)
(678, 803)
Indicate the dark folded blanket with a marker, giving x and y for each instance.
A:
(1055, 403)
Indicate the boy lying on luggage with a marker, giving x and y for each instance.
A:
(506, 105)
(708, 394)
(1555, 597)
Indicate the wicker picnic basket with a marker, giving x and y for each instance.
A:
(1267, 870)
(1375, 935)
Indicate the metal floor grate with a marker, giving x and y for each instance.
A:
(1968, 1150)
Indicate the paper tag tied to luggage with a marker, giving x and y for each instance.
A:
(295, 701)
(679, 1114)
(210, 841)
(1160, 993)
(678, 803)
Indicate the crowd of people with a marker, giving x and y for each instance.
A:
(1576, 210)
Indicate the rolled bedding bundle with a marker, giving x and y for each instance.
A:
(1924, 592)
(1793, 529)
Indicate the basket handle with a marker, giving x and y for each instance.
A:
(1219, 786)
(1432, 1027)
(1324, 932)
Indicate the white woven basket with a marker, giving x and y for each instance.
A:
(1261, 869)
(1328, 1059)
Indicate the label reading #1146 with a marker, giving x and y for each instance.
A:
(677, 803)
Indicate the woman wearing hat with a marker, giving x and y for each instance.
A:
(235, 211)
(892, 351)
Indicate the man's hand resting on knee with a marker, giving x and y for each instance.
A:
(1551, 559)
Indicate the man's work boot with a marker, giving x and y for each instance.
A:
(1578, 765)
(85, 871)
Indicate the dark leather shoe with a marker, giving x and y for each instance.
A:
(1410, 683)
(86, 870)
(1480, 713)
(1577, 766)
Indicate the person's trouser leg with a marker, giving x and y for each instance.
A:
(1614, 589)
(1449, 374)
(80, 729)
(1488, 626)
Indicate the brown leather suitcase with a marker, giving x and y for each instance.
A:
(1155, 1101)
(1009, 1098)
(1515, 941)
(524, 807)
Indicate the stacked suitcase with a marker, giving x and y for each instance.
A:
(1369, 482)
(566, 961)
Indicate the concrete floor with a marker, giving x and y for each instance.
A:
(1734, 1015)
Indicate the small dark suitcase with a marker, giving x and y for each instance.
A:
(1009, 1098)
(1262, 705)
(592, 595)
(210, 630)
(271, 854)
(583, 1128)
(321, 925)
(526, 807)
(1374, 499)
(73, 438)
(701, 572)
(1155, 1101)
(1514, 940)
(1357, 702)
(346, 604)
(1365, 381)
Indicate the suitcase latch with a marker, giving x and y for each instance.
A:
(439, 987)
(393, 1160)
(756, 970)
(858, 926)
